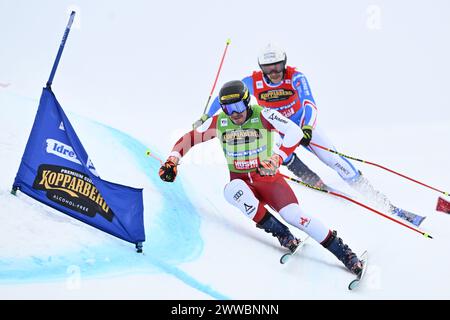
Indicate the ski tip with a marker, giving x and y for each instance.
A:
(419, 221)
(364, 255)
(352, 285)
(284, 258)
(426, 235)
(355, 282)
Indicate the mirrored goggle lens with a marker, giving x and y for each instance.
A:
(273, 68)
(234, 107)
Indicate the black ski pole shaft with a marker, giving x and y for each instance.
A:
(60, 51)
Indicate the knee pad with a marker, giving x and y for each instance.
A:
(239, 194)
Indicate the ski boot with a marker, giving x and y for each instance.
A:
(270, 224)
(305, 174)
(337, 247)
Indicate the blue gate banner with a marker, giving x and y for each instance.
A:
(56, 170)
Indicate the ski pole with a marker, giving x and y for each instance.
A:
(380, 166)
(217, 75)
(150, 154)
(426, 235)
(60, 50)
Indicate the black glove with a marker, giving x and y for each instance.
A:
(168, 171)
(307, 135)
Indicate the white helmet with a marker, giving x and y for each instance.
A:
(271, 54)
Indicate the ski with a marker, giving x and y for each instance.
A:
(355, 282)
(408, 216)
(285, 257)
(412, 218)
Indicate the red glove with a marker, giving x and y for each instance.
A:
(270, 166)
(168, 171)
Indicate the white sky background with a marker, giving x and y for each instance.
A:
(367, 61)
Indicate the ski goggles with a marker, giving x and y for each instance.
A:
(234, 107)
(273, 68)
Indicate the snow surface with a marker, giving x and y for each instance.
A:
(136, 76)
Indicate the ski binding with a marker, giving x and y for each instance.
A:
(285, 257)
(355, 282)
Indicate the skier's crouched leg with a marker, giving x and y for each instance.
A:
(239, 194)
(295, 216)
(343, 252)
